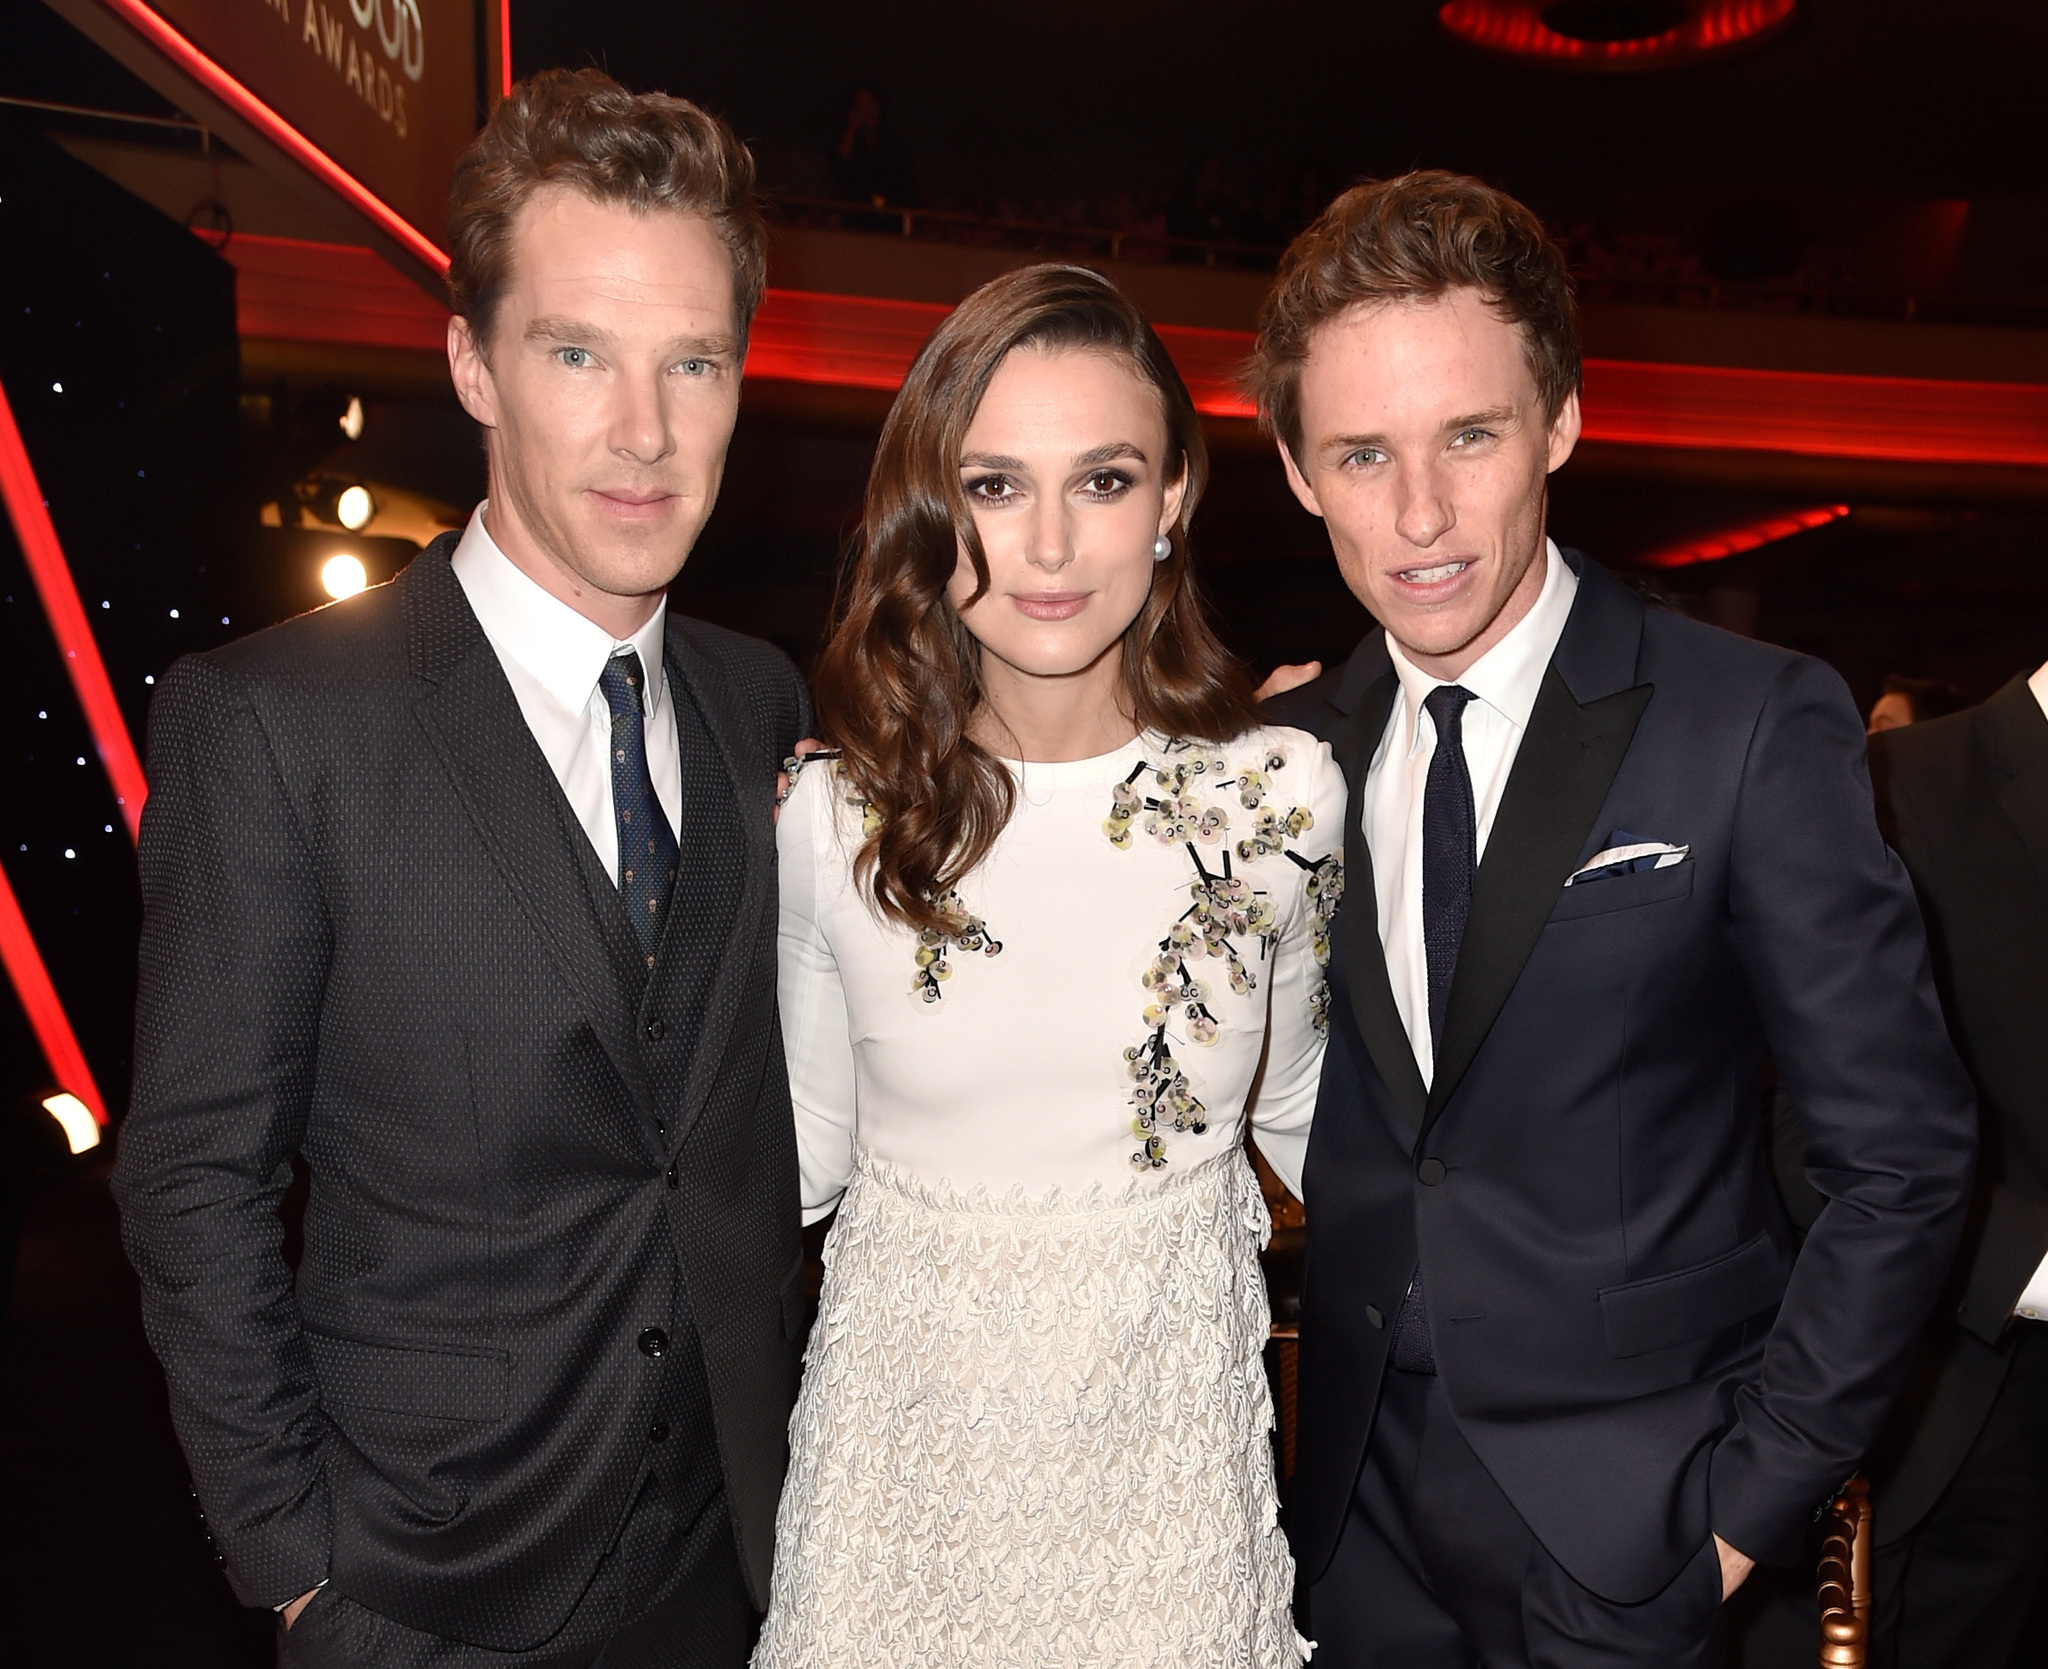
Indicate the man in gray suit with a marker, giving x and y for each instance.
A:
(462, 891)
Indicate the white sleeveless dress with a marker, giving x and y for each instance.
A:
(1033, 1428)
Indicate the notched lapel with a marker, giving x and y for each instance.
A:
(1562, 773)
(1358, 921)
(2017, 734)
(729, 725)
(503, 783)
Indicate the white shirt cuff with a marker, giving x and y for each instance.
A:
(2033, 1304)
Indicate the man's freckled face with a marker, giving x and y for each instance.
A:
(1425, 449)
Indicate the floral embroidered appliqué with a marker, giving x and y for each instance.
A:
(1225, 909)
(967, 932)
(963, 931)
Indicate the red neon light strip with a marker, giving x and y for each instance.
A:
(1738, 540)
(39, 999)
(305, 291)
(504, 48)
(52, 574)
(276, 129)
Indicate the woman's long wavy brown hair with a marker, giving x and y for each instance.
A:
(900, 676)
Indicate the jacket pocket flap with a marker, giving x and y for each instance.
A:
(468, 1385)
(1664, 1310)
(1620, 892)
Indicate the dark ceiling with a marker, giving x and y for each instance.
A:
(1927, 98)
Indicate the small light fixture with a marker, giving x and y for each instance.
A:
(343, 576)
(354, 507)
(352, 419)
(81, 1129)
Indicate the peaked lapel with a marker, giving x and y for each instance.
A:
(503, 782)
(2014, 735)
(744, 756)
(1358, 926)
(1585, 716)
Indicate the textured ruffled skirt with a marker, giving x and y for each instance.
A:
(1035, 1432)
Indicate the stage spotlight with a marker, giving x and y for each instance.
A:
(343, 576)
(354, 508)
(352, 419)
(80, 1130)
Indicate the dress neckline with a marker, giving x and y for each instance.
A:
(1065, 773)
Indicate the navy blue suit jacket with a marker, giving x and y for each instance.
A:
(1619, 1323)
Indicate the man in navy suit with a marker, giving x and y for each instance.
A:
(1562, 1378)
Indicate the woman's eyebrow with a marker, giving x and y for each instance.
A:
(1108, 454)
(989, 460)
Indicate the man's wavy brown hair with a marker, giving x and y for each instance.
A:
(900, 677)
(581, 129)
(1415, 238)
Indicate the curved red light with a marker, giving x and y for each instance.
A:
(1737, 540)
(1516, 28)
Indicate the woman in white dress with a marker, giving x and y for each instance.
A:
(1043, 912)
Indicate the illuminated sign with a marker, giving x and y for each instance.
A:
(369, 101)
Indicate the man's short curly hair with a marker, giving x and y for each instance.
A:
(581, 129)
(1415, 238)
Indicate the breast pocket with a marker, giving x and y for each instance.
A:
(1625, 892)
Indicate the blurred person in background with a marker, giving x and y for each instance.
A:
(1912, 701)
(1961, 1492)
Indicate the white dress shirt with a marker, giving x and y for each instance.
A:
(1504, 682)
(552, 658)
(2033, 1302)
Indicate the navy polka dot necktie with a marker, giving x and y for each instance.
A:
(647, 848)
(1450, 840)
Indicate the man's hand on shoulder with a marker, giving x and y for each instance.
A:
(1284, 678)
(1735, 1567)
(808, 746)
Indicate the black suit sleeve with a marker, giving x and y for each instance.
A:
(1830, 939)
(235, 948)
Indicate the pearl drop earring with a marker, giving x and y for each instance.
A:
(1162, 548)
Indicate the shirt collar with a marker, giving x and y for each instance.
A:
(1509, 674)
(558, 648)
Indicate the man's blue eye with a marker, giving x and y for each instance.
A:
(575, 358)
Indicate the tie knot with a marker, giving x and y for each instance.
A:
(1446, 707)
(621, 682)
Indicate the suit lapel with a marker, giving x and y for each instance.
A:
(1562, 772)
(2015, 733)
(750, 779)
(503, 782)
(1585, 716)
(1358, 926)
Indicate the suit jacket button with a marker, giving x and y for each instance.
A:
(658, 1432)
(1372, 1314)
(654, 1343)
(1430, 1172)
(656, 1031)
(675, 1177)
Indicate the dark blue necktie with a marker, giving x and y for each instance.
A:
(647, 847)
(1449, 838)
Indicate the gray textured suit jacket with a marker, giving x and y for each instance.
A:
(375, 935)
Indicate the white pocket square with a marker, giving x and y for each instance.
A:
(1629, 860)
